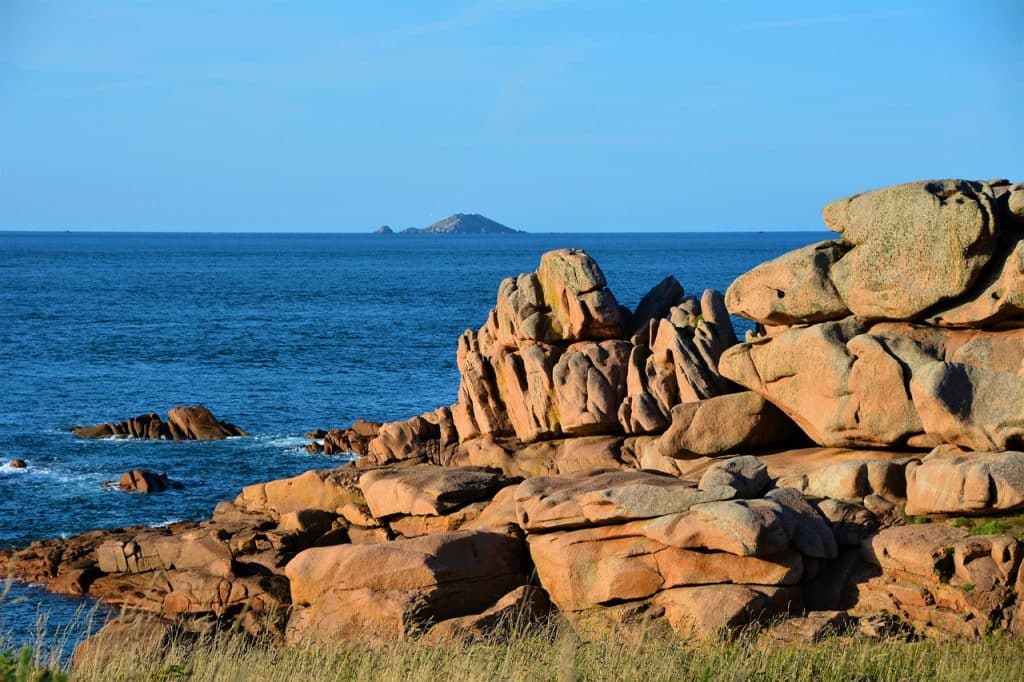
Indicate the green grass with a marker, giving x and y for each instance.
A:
(22, 666)
(552, 652)
(1012, 525)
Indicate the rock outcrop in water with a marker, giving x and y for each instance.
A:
(642, 470)
(142, 481)
(183, 423)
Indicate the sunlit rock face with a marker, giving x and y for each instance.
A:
(906, 331)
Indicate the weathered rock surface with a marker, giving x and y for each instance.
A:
(327, 490)
(588, 567)
(394, 589)
(795, 288)
(853, 480)
(942, 231)
(958, 238)
(617, 547)
(845, 385)
(976, 408)
(940, 581)
(562, 456)
(999, 300)
(657, 303)
(425, 489)
(551, 502)
(747, 475)
(939, 260)
(430, 435)
(738, 422)
(949, 481)
(183, 423)
(519, 608)
(675, 360)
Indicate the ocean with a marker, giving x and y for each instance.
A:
(277, 333)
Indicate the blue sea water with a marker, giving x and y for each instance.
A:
(278, 333)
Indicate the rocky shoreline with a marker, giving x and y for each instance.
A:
(644, 469)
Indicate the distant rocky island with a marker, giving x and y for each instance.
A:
(458, 223)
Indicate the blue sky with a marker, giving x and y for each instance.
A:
(546, 116)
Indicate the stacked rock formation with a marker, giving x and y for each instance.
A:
(907, 331)
(183, 423)
(556, 357)
(560, 371)
(628, 550)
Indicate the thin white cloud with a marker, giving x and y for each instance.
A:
(805, 22)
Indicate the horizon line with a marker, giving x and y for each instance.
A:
(57, 230)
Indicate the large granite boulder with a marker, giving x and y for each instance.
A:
(555, 502)
(393, 589)
(425, 489)
(942, 231)
(142, 481)
(736, 422)
(973, 407)
(846, 385)
(326, 489)
(567, 299)
(430, 435)
(943, 251)
(795, 288)
(588, 567)
(949, 481)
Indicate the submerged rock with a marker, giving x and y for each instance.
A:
(142, 481)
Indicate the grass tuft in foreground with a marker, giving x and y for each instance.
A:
(553, 652)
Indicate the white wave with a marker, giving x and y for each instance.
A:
(77, 479)
(165, 522)
(287, 441)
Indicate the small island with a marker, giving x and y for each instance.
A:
(458, 223)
